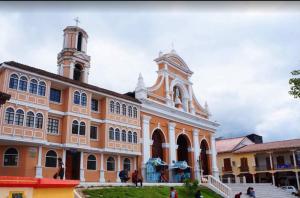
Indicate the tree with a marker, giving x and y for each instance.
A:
(295, 84)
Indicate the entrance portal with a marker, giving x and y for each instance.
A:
(204, 157)
(182, 151)
(157, 149)
(72, 165)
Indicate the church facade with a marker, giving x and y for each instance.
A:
(98, 132)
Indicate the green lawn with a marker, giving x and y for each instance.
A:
(144, 192)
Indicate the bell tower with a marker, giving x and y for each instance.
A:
(72, 61)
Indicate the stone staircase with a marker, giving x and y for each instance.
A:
(262, 190)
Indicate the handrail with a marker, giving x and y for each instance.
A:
(217, 185)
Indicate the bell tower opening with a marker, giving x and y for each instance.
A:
(77, 72)
(79, 41)
(73, 62)
(177, 97)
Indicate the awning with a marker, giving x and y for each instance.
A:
(157, 162)
(180, 164)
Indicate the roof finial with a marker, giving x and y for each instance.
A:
(77, 21)
(207, 109)
(140, 84)
(173, 50)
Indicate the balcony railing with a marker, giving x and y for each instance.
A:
(262, 168)
(227, 169)
(244, 169)
(284, 166)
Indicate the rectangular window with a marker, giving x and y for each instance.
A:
(53, 125)
(94, 104)
(93, 132)
(55, 95)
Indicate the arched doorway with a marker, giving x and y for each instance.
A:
(182, 150)
(203, 157)
(77, 75)
(158, 140)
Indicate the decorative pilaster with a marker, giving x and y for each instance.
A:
(173, 146)
(167, 88)
(82, 179)
(146, 143)
(215, 171)
(192, 108)
(119, 168)
(101, 178)
(39, 168)
(196, 154)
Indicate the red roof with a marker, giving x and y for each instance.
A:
(12, 181)
(269, 146)
(227, 145)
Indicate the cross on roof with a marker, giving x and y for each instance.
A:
(77, 20)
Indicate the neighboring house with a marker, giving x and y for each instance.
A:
(273, 162)
(98, 132)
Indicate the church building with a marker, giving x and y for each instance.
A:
(98, 132)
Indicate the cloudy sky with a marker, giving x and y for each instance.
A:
(241, 53)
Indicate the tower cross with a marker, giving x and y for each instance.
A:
(77, 20)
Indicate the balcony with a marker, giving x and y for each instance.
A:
(284, 166)
(262, 168)
(227, 169)
(244, 169)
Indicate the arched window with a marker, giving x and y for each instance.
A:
(83, 99)
(123, 135)
(42, 89)
(110, 164)
(30, 119)
(117, 134)
(129, 136)
(39, 121)
(11, 157)
(19, 119)
(23, 83)
(117, 108)
(13, 81)
(9, 115)
(130, 111)
(76, 99)
(51, 159)
(134, 137)
(123, 109)
(77, 72)
(79, 41)
(112, 106)
(111, 133)
(82, 128)
(75, 127)
(91, 162)
(126, 164)
(134, 112)
(33, 86)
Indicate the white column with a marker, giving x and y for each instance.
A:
(119, 168)
(253, 176)
(215, 171)
(271, 161)
(295, 166)
(81, 167)
(196, 154)
(273, 179)
(146, 143)
(39, 168)
(64, 162)
(172, 147)
(101, 178)
(72, 65)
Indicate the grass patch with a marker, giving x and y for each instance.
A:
(144, 192)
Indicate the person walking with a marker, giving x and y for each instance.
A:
(238, 195)
(198, 194)
(137, 178)
(173, 193)
(61, 170)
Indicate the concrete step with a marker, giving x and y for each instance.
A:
(261, 190)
